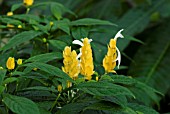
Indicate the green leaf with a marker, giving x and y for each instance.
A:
(49, 69)
(133, 39)
(141, 109)
(73, 108)
(58, 44)
(2, 75)
(15, 7)
(10, 21)
(2, 88)
(136, 20)
(41, 88)
(20, 105)
(90, 21)
(152, 60)
(125, 80)
(64, 25)
(45, 57)
(104, 106)
(58, 10)
(119, 100)
(104, 89)
(151, 95)
(80, 32)
(9, 80)
(20, 38)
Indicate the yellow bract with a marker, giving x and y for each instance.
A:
(59, 88)
(19, 61)
(19, 26)
(10, 64)
(28, 2)
(9, 14)
(10, 26)
(86, 58)
(71, 63)
(109, 62)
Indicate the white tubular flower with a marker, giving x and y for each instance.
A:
(119, 35)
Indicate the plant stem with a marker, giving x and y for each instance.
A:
(55, 102)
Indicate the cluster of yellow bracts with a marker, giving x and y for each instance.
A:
(83, 62)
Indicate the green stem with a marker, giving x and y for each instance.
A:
(55, 102)
(28, 9)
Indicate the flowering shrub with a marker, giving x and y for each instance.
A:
(54, 64)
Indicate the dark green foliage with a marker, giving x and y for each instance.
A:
(40, 33)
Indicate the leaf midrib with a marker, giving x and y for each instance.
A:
(152, 70)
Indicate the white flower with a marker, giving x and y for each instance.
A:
(118, 35)
(78, 42)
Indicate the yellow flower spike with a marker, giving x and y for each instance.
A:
(71, 63)
(59, 87)
(86, 58)
(19, 61)
(9, 14)
(10, 64)
(113, 55)
(28, 2)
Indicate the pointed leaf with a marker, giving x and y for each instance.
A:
(20, 38)
(90, 21)
(2, 75)
(45, 57)
(103, 89)
(20, 105)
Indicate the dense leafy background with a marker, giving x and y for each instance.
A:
(142, 84)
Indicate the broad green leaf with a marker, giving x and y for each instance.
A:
(16, 6)
(28, 18)
(49, 69)
(119, 100)
(58, 10)
(152, 60)
(141, 109)
(151, 95)
(2, 75)
(9, 80)
(125, 80)
(20, 38)
(20, 105)
(80, 32)
(136, 20)
(45, 57)
(10, 21)
(63, 25)
(58, 44)
(104, 89)
(41, 88)
(2, 88)
(91, 21)
(37, 95)
(105, 106)
(73, 108)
